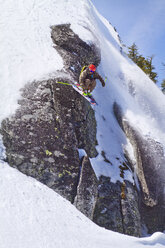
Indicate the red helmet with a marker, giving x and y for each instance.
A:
(92, 67)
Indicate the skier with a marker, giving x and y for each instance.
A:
(88, 78)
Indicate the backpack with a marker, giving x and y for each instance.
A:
(84, 67)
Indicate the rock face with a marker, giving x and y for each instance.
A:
(53, 121)
(130, 210)
(117, 207)
(75, 52)
(150, 171)
(87, 189)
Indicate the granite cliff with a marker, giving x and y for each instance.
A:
(53, 122)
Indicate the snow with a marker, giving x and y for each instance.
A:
(82, 153)
(30, 213)
(141, 100)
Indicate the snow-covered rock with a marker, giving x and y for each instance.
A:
(46, 123)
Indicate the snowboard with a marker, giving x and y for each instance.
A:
(89, 97)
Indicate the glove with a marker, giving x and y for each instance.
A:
(103, 84)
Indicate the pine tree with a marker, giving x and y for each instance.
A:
(141, 62)
(163, 82)
(163, 86)
(133, 52)
(145, 64)
(149, 69)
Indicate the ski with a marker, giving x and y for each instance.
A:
(76, 86)
(87, 96)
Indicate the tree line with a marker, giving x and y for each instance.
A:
(146, 64)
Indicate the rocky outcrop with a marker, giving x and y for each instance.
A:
(108, 208)
(130, 210)
(75, 52)
(87, 190)
(117, 207)
(53, 121)
(150, 171)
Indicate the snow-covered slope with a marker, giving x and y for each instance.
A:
(32, 215)
(27, 54)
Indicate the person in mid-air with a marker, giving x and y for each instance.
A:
(88, 78)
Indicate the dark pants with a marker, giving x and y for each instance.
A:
(89, 85)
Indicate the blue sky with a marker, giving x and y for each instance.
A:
(142, 22)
